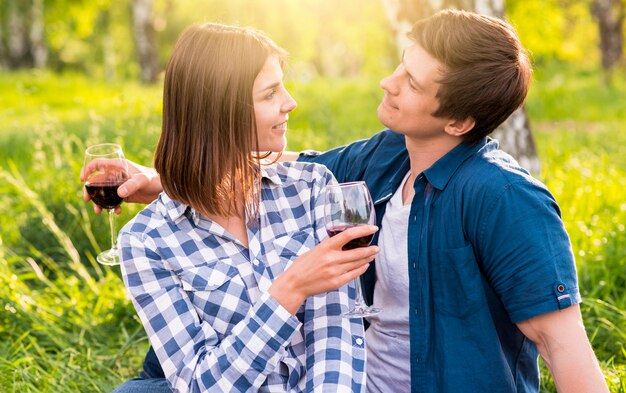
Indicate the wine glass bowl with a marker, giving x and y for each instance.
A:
(103, 191)
(348, 205)
(106, 169)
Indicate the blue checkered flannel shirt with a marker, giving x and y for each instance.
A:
(202, 296)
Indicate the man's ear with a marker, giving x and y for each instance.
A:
(460, 127)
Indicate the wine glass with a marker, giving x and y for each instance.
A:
(106, 170)
(348, 205)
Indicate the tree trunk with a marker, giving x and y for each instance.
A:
(514, 134)
(18, 49)
(38, 48)
(3, 50)
(610, 16)
(145, 39)
(109, 58)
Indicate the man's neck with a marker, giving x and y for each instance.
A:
(423, 153)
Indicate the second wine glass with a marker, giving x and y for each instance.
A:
(348, 205)
(106, 169)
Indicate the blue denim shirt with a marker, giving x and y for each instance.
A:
(486, 249)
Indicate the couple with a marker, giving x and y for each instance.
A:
(238, 287)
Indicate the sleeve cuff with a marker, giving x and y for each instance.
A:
(559, 303)
(267, 333)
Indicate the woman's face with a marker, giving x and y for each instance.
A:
(272, 104)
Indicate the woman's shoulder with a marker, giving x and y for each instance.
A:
(150, 218)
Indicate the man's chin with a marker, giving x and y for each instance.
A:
(383, 119)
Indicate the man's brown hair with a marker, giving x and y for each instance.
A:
(204, 154)
(486, 72)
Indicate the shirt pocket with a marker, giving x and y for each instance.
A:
(293, 244)
(456, 282)
(207, 277)
(217, 293)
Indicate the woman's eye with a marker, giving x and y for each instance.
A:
(271, 94)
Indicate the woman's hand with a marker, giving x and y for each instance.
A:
(323, 268)
(142, 186)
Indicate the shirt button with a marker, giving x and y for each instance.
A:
(359, 341)
(560, 288)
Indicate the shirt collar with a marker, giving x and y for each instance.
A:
(172, 208)
(269, 172)
(440, 173)
(175, 209)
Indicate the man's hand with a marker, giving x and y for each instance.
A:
(142, 186)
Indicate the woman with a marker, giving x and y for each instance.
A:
(224, 268)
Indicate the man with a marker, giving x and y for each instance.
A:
(476, 275)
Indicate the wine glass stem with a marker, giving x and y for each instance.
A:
(359, 300)
(113, 230)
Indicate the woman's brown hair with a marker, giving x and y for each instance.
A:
(486, 72)
(204, 154)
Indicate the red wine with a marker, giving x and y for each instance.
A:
(104, 194)
(362, 241)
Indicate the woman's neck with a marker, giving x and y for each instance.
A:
(234, 223)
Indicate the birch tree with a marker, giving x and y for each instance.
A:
(514, 135)
(18, 48)
(610, 16)
(38, 47)
(145, 40)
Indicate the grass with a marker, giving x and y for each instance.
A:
(66, 323)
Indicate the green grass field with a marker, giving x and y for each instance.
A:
(66, 323)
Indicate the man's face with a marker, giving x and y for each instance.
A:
(410, 96)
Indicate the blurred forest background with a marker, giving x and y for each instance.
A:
(78, 72)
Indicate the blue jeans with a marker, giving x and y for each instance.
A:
(144, 385)
(151, 379)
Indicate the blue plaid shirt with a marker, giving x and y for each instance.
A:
(202, 296)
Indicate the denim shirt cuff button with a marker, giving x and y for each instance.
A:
(564, 299)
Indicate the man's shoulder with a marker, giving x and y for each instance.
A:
(492, 171)
(380, 144)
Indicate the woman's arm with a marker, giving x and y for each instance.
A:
(193, 355)
(335, 346)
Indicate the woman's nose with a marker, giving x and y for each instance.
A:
(289, 104)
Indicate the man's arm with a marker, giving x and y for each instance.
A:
(563, 344)
(347, 164)
(143, 184)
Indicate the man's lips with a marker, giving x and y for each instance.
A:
(387, 103)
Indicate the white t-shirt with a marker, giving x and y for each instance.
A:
(387, 338)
